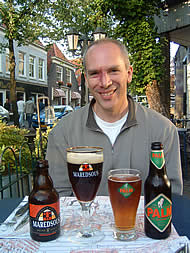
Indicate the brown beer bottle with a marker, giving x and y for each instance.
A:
(157, 196)
(44, 206)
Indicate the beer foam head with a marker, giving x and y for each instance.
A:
(83, 157)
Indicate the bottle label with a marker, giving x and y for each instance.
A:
(159, 212)
(157, 158)
(126, 190)
(44, 219)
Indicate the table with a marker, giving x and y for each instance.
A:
(183, 133)
(181, 221)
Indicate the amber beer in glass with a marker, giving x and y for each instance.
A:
(124, 187)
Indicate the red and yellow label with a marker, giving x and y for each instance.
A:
(35, 209)
(44, 219)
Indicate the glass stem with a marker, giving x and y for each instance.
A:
(85, 228)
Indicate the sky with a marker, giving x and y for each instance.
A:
(173, 49)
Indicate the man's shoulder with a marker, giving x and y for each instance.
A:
(73, 118)
(152, 116)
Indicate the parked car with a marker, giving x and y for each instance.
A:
(4, 114)
(59, 110)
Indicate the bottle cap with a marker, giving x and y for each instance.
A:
(42, 163)
(156, 145)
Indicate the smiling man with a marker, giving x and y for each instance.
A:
(107, 75)
(112, 120)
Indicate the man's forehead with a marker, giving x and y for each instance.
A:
(102, 52)
(108, 67)
(103, 44)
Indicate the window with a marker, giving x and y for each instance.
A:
(68, 75)
(7, 60)
(32, 64)
(41, 69)
(22, 71)
(59, 73)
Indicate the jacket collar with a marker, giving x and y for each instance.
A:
(131, 119)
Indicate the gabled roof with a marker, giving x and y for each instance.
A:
(77, 62)
(55, 51)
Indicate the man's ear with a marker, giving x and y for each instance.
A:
(130, 74)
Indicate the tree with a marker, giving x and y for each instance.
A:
(83, 18)
(136, 27)
(24, 21)
(132, 22)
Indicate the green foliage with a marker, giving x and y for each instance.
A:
(145, 54)
(40, 142)
(26, 21)
(136, 28)
(13, 137)
(130, 21)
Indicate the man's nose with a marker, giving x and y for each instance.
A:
(105, 79)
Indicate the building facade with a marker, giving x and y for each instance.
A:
(30, 73)
(182, 82)
(62, 82)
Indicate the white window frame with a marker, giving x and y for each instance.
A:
(41, 68)
(68, 75)
(59, 73)
(7, 61)
(23, 62)
(32, 66)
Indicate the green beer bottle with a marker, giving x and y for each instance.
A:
(157, 196)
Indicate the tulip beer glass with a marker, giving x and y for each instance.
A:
(124, 187)
(85, 173)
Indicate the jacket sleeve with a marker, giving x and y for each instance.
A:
(56, 157)
(173, 160)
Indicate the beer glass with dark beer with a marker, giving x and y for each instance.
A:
(124, 187)
(85, 173)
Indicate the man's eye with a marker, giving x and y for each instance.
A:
(92, 74)
(114, 70)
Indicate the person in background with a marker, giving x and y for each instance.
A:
(77, 107)
(113, 120)
(29, 110)
(7, 105)
(21, 109)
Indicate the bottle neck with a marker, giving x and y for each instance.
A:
(43, 179)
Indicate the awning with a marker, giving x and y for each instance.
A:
(75, 95)
(59, 93)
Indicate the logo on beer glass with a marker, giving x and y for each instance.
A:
(85, 167)
(126, 190)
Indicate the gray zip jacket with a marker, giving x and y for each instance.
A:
(131, 149)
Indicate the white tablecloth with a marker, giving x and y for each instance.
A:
(20, 241)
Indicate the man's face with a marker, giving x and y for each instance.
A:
(107, 77)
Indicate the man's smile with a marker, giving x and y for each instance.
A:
(107, 93)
